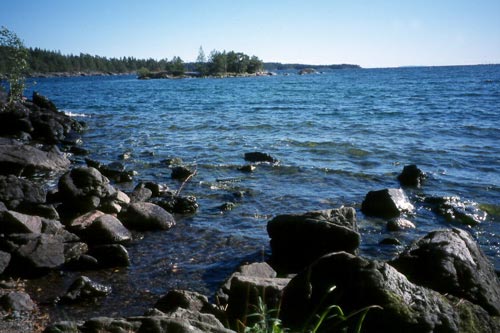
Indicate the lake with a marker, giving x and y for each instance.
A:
(337, 135)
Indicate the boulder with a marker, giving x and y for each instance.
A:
(178, 204)
(140, 194)
(16, 191)
(146, 216)
(80, 223)
(43, 102)
(257, 269)
(17, 301)
(399, 224)
(184, 299)
(259, 157)
(450, 261)
(110, 255)
(387, 203)
(453, 209)
(247, 293)
(411, 176)
(38, 253)
(13, 222)
(360, 283)
(106, 229)
(27, 160)
(82, 189)
(84, 289)
(181, 173)
(299, 239)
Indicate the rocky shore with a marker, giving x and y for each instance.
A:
(442, 282)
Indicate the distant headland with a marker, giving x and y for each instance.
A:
(44, 63)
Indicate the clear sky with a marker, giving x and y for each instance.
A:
(370, 33)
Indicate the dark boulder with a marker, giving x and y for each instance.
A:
(140, 194)
(110, 255)
(246, 293)
(256, 270)
(453, 209)
(450, 262)
(247, 168)
(83, 289)
(299, 239)
(43, 102)
(387, 203)
(181, 173)
(390, 241)
(82, 189)
(13, 222)
(178, 204)
(259, 157)
(27, 160)
(106, 229)
(17, 301)
(36, 254)
(411, 176)
(15, 192)
(184, 299)
(361, 283)
(146, 216)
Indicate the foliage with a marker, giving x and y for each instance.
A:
(15, 62)
(220, 63)
(332, 317)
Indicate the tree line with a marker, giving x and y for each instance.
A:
(45, 61)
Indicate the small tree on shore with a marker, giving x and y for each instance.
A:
(17, 63)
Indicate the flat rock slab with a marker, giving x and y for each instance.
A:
(27, 160)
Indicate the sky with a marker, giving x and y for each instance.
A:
(370, 33)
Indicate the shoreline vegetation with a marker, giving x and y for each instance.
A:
(45, 64)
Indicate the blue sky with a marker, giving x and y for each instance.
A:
(369, 33)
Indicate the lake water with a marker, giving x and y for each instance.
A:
(338, 135)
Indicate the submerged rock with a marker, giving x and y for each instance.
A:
(386, 203)
(84, 289)
(450, 261)
(453, 209)
(259, 157)
(299, 239)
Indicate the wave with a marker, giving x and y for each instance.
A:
(76, 115)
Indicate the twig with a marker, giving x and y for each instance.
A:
(188, 178)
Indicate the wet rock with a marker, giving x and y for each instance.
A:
(146, 216)
(84, 289)
(247, 168)
(411, 176)
(360, 283)
(184, 299)
(179, 204)
(390, 241)
(259, 157)
(113, 255)
(17, 301)
(387, 203)
(16, 191)
(74, 251)
(299, 239)
(106, 229)
(140, 194)
(13, 222)
(181, 173)
(227, 206)
(79, 151)
(117, 172)
(155, 188)
(453, 209)
(399, 224)
(450, 261)
(27, 160)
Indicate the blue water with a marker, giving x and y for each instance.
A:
(337, 135)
